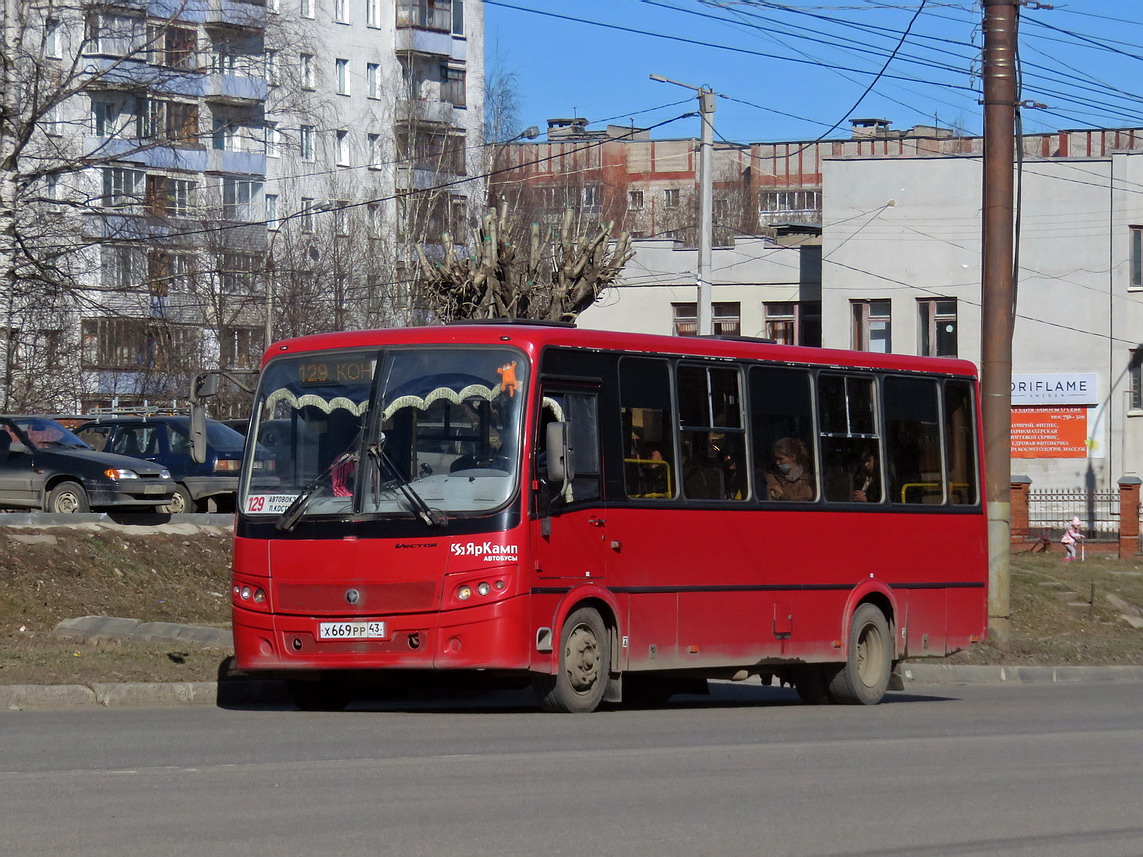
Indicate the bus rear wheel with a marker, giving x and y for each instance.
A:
(585, 658)
(865, 677)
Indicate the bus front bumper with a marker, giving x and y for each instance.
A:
(493, 636)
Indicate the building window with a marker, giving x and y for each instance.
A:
(872, 326)
(937, 327)
(373, 79)
(426, 14)
(105, 121)
(341, 148)
(794, 322)
(122, 188)
(592, 197)
(340, 217)
(458, 17)
(307, 63)
(307, 217)
(307, 8)
(1136, 257)
(273, 140)
(341, 71)
(240, 347)
(374, 146)
(122, 266)
(634, 200)
(225, 135)
(726, 318)
(1135, 377)
(241, 200)
(671, 197)
(113, 35)
(272, 221)
(170, 197)
(306, 142)
(274, 5)
(239, 274)
(53, 48)
(453, 86)
(271, 67)
(372, 13)
(339, 11)
(778, 206)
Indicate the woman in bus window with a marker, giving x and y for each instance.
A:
(867, 480)
(789, 478)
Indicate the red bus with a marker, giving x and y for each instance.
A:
(609, 516)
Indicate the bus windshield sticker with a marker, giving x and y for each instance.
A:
(268, 504)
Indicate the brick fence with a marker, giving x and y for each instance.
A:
(1026, 537)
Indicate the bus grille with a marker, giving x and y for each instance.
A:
(373, 598)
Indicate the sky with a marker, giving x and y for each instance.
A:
(801, 69)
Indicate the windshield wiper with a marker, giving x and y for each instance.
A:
(381, 459)
(297, 507)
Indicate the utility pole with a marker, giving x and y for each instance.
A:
(997, 308)
(706, 201)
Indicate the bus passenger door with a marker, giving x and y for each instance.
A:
(569, 527)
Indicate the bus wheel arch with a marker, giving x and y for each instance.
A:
(584, 662)
(865, 675)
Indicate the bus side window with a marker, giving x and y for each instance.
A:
(913, 440)
(782, 418)
(712, 436)
(649, 470)
(960, 443)
(849, 439)
(581, 413)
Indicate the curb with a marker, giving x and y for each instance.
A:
(944, 674)
(239, 692)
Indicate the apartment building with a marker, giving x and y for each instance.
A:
(199, 174)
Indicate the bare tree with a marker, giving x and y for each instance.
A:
(532, 271)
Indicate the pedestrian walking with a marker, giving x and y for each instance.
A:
(1073, 534)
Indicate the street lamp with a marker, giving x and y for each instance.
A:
(706, 200)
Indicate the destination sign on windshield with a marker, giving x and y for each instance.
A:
(312, 373)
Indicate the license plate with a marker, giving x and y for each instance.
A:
(351, 631)
(155, 489)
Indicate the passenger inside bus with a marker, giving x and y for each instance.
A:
(790, 477)
(867, 479)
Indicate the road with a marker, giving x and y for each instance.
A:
(1013, 770)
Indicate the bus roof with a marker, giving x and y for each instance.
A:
(533, 337)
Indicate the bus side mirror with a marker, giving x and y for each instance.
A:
(558, 448)
(198, 433)
(204, 386)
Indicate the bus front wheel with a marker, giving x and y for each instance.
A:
(865, 677)
(585, 658)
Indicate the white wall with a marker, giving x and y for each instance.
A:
(904, 229)
(662, 272)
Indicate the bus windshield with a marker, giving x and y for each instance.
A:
(428, 432)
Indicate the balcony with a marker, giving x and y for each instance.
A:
(145, 153)
(240, 14)
(425, 42)
(236, 163)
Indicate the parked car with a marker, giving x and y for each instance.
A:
(44, 466)
(166, 441)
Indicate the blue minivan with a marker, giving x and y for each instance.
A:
(210, 486)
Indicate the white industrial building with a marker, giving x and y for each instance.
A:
(899, 269)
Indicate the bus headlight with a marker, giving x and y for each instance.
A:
(464, 592)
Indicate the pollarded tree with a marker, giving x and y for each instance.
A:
(517, 270)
